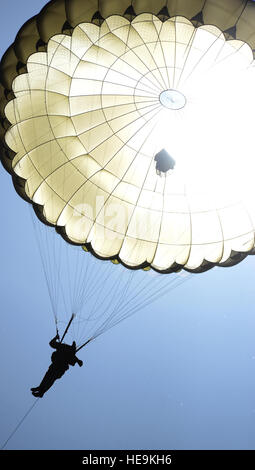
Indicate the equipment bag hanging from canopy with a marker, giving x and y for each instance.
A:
(164, 161)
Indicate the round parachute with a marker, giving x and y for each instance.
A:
(92, 91)
(129, 129)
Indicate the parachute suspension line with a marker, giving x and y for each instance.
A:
(20, 423)
(73, 281)
(143, 286)
(97, 307)
(77, 298)
(70, 291)
(105, 327)
(87, 285)
(90, 321)
(92, 293)
(51, 257)
(97, 279)
(85, 344)
(111, 317)
(108, 320)
(128, 314)
(58, 263)
(82, 284)
(87, 280)
(152, 298)
(101, 279)
(120, 305)
(44, 268)
(112, 301)
(65, 272)
(112, 293)
(144, 301)
(77, 276)
(116, 307)
(168, 286)
(119, 293)
(122, 298)
(61, 262)
(56, 286)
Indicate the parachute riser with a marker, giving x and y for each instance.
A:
(67, 328)
(83, 345)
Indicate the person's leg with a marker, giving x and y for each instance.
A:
(47, 382)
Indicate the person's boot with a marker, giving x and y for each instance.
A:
(38, 394)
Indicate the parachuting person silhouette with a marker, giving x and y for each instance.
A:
(64, 356)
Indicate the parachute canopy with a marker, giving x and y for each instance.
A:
(91, 94)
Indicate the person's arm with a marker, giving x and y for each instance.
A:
(74, 361)
(54, 343)
(78, 361)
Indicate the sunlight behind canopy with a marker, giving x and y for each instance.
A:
(88, 119)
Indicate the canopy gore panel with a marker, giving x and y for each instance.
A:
(92, 91)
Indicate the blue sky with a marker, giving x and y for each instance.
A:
(178, 375)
